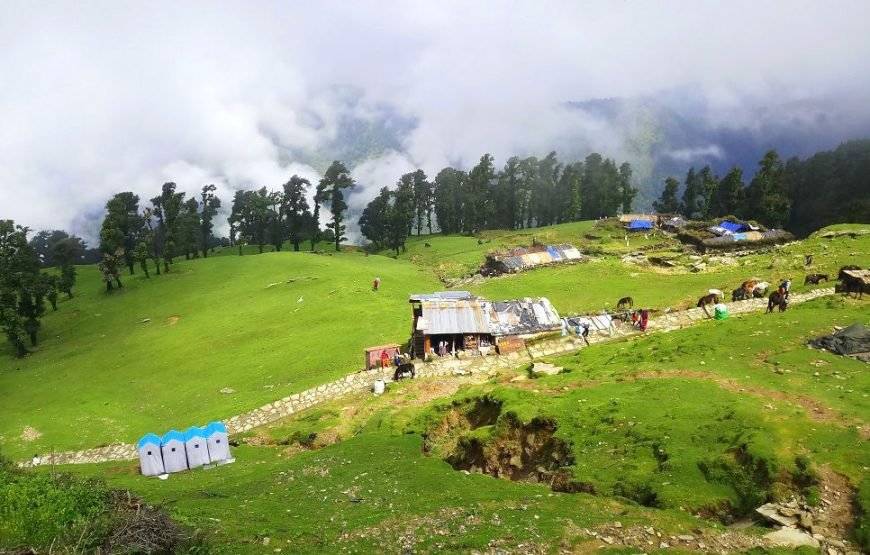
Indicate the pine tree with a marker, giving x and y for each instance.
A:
(668, 203)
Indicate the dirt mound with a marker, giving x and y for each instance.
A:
(511, 449)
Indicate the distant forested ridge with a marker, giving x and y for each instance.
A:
(829, 187)
(799, 195)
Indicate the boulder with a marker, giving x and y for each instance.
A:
(771, 512)
(791, 537)
(545, 369)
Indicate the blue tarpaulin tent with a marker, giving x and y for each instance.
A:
(734, 227)
(638, 225)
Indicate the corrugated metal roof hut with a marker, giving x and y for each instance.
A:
(472, 324)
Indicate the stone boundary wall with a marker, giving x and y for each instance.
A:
(363, 380)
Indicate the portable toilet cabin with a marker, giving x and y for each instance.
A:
(150, 458)
(196, 446)
(174, 455)
(218, 442)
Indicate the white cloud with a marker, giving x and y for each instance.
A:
(691, 154)
(99, 97)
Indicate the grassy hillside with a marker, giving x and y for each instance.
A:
(104, 374)
(708, 421)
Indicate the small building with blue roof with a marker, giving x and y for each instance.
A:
(196, 446)
(150, 456)
(218, 442)
(174, 452)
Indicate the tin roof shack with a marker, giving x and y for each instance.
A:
(457, 322)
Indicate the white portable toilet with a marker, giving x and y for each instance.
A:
(196, 446)
(150, 457)
(218, 442)
(174, 454)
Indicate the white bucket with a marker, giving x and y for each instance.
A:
(380, 387)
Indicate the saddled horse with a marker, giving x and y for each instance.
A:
(708, 299)
(851, 284)
(777, 300)
(625, 302)
(712, 298)
(402, 369)
(815, 278)
(745, 291)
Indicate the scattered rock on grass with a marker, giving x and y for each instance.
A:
(227, 390)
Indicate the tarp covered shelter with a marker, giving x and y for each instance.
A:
(218, 442)
(150, 457)
(174, 453)
(640, 225)
(853, 341)
(196, 447)
(523, 258)
(734, 227)
(674, 224)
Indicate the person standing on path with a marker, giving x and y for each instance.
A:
(644, 319)
(385, 359)
(785, 286)
(585, 332)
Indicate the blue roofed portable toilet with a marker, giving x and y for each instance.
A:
(196, 446)
(218, 442)
(174, 454)
(150, 458)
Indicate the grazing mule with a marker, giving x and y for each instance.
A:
(708, 299)
(815, 278)
(741, 294)
(777, 300)
(625, 302)
(402, 369)
(712, 298)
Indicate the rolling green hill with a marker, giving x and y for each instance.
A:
(654, 431)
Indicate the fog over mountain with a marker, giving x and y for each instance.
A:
(100, 97)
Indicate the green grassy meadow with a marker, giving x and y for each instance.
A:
(680, 431)
(102, 375)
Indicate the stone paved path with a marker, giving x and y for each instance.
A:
(445, 367)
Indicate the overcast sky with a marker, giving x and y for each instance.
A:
(102, 97)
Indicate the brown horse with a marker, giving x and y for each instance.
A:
(777, 299)
(625, 302)
(815, 278)
(749, 285)
(707, 299)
